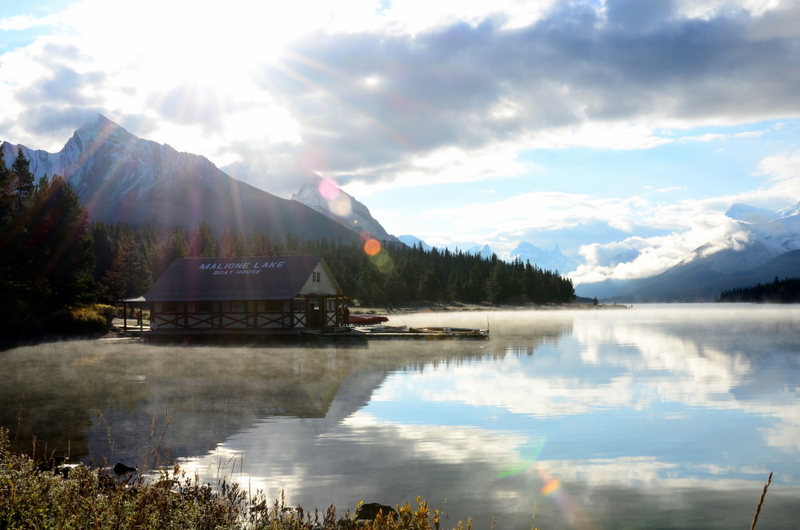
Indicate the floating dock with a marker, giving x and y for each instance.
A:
(399, 333)
(367, 329)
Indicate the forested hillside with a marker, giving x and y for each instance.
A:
(129, 259)
(52, 260)
(786, 291)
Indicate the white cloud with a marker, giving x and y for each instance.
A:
(19, 23)
(781, 167)
(711, 137)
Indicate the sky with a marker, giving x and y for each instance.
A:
(620, 130)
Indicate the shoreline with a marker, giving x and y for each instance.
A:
(459, 308)
(115, 333)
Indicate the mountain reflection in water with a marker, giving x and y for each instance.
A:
(656, 416)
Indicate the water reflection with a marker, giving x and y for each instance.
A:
(653, 417)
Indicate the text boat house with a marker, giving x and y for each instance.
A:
(243, 296)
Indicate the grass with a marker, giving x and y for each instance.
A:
(37, 495)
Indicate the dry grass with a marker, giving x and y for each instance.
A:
(37, 496)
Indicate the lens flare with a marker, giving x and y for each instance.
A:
(383, 261)
(328, 189)
(530, 454)
(551, 487)
(372, 247)
(573, 514)
(341, 205)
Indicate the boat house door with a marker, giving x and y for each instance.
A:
(315, 316)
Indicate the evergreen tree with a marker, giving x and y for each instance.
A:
(455, 287)
(498, 284)
(6, 187)
(114, 280)
(60, 244)
(394, 289)
(474, 290)
(23, 179)
(429, 286)
(201, 242)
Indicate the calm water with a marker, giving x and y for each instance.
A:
(651, 417)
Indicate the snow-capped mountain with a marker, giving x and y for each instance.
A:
(122, 178)
(781, 232)
(751, 214)
(331, 201)
(484, 251)
(551, 259)
(766, 246)
(413, 241)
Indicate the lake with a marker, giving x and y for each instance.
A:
(656, 416)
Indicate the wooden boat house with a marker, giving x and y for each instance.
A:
(254, 295)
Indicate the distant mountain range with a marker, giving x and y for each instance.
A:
(767, 247)
(550, 259)
(122, 178)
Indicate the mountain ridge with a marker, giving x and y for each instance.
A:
(325, 197)
(765, 248)
(122, 178)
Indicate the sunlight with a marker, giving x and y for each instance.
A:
(188, 65)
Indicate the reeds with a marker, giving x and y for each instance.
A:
(93, 498)
(761, 502)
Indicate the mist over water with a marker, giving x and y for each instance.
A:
(657, 416)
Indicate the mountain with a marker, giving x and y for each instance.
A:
(484, 251)
(751, 214)
(412, 241)
(548, 259)
(334, 203)
(122, 178)
(767, 247)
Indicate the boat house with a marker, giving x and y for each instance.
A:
(254, 295)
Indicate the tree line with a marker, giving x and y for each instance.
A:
(46, 257)
(52, 257)
(786, 291)
(130, 258)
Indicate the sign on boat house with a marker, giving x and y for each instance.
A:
(243, 295)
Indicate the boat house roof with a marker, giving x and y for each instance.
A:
(250, 278)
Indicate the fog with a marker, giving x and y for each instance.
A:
(649, 416)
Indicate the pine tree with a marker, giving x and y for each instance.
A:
(115, 280)
(23, 179)
(6, 186)
(201, 242)
(430, 288)
(61, 245)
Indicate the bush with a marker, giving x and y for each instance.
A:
(46, 496)
(108, 312)
(77, 321)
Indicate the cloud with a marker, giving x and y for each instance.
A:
(576, 76)
(387, 93)
(711, 137)
(781, 167)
